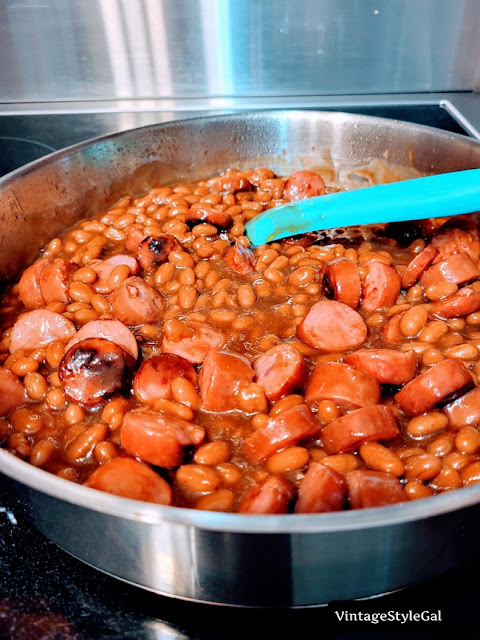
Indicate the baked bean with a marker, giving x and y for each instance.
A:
(422, 467)
(74, 414)
(416, 490)
(41, 452)
(184, 392)
(174, 408)
(113, 412)
(35, 385)
(26, 420)
(458, 460)
(24, 366)
(441, 445)
(54, 353)
(86, 441)
(197, 478)
(413, 321)
(221, 500)
(288, 460)
(19, 443)
(427, 424)
(341, 462)
(378, 457)
(463, 351)
(327, 411)
(212, 453)
(441, 290)
(104, 451)
(448, 478)
(286, 403)
(467, 440)
(471, 473)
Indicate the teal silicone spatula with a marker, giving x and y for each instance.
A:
(436, 196)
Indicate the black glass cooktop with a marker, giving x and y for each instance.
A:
(45, 594)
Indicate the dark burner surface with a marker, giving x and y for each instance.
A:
(46, 594)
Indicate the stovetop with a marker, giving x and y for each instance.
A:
(45, 594)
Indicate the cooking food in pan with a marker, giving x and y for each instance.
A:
(151, 352)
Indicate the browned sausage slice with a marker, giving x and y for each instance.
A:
(133, 238)
(29, 285)
(104, 268)
(55, 278)
(454, 240)
(386, 365)
(200, 213)
(195, 341)
(368, 424)
(132, 479)
(154, 250)
(283, 430)
(240, 260)
(222, 376)
(346, 386)
(303, 184)
(381, 287)
(344, 280)
(373, 489)
(135, 302)
(281, 370)
(12, 391)
(417, 266)
(93, 370)
(37, 329)
(464, 410)
(154, 378)
(113, 330)
(437, 384)
(457, 268)
(272, 495)
(158, 438)
(321, 490)
(464, 301)
(229, 183)
(332, 326)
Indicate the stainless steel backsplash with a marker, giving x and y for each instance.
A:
(111, 49)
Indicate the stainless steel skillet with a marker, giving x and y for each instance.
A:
(229, 558)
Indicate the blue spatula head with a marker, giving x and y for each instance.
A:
(430, 197)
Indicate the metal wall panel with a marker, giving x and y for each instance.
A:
(110, 49)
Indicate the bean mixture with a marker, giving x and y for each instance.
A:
(152, 353)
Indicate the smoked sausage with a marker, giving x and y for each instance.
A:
(321, 490)
(194, 341)
(346, 386)
(109, 329)
(332, 326)
(29, 285)
(381, 287)
(240, 260)
(154, 250)
(344, 281)
(222, 375)
(373, 489)
(37, 329)
(281, 370)
(154, 378)
(386, 365)
(303, 184)
(12, 391)
(457, 268)
(135, 302)
(272, 495)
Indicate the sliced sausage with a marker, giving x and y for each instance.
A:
(321, 490)
(12, 391)
(344, 281)
(302, 239)
(132, 479)
(154, 250)
(281, 370)
(284, 430)
(332, 326)
(195, 342)
(454, 240)
(222, 376)
(464, 410)
(230, 182)
(438, 384)
(381, 287)
(368, 424)
(303, 184)
(457, 268)
(346, 386)
(133, 237)
(391, 332)
(135, 302)
(464, 301)
(29, 285)
(373, 489)
(272, 495)
(55, 279)
(104, 268)
(157, 437)
(240, 260)
(154, 378)
(93, 370)
(109, 329)
(200, 213)
(415, 268)
(37, 329)
(388, 366)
